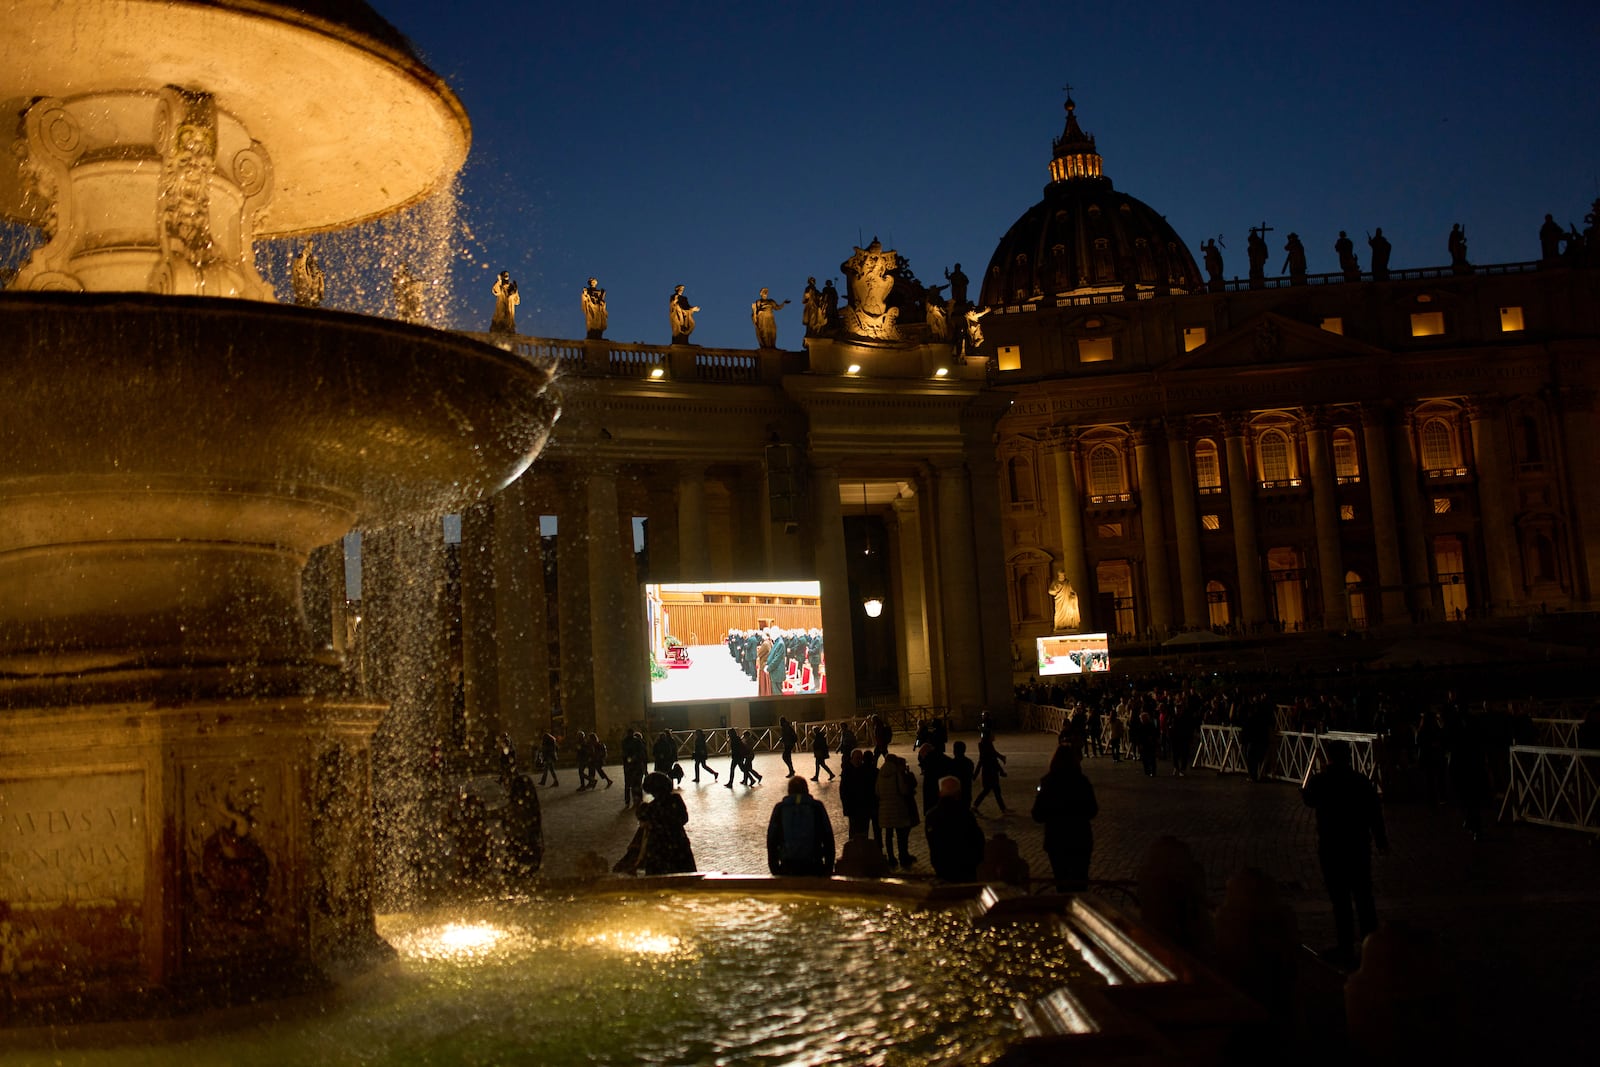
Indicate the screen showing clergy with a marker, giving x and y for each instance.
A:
(735, 640)
(1074, 654)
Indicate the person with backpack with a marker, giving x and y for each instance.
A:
(800, 835)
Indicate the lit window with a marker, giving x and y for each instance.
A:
(1211, 522)
(1345, 463)
(1193, 337)
(1334, 324)
(1094, 350)
(1207, 471)
(1347, 512)
(1010, 357)
(1427, 323)
(1438, 445)
(1441, 505)
(1110, 531)
(1274, 457)
(1510, 320)
(1105, 471)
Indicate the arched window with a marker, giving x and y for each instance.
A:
(1207, 468)
(1438, 445)
(1274, 450)
(1346, 463)
(1105, 471)
(1528, 445)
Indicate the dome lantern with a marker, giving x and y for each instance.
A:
(1075, 156)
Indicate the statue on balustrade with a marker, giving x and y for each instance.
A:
(870, 276)
(830, 304)
(1294, 264)
(1213, 260)
(681, 314)
(1380, 255)
(1458, 250)
(813, 316)
(506, 300)
(1345, 249)
(938, 322)
(764, 314)
(306, 278)
(408, 292)
(1067, 618)
(958, 288)
(594, 310)
(1256, 250)
(974, 327)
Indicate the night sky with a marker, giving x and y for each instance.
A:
(732, 147)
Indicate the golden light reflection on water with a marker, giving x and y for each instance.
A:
(450, 941)
(641, 942)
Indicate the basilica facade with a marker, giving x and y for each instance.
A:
(1195, 455)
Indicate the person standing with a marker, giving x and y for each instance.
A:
(897, 807)
(701, 751)
(634, 755)
(962, 767)
(1349, 821)
(665, 753)
(788, 739)
(800, 835)
(990, 770)
(819, 752)
(1065, 804)
(858, 796)
(776, 662)
(955, 840)
(1145, 737)
(548, 747)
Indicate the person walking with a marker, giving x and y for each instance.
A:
(735, 756)
(748, 747)
(1065, 803)
(990, 770)
(819, 752)
(548, 747)
(1349, 821)
(701, 751)
(800, 835)
(788, 739)
(1144, 736)
(897, 807)
(597, 760)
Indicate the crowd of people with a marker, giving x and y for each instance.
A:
(778, 660)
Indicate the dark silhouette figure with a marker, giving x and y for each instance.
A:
(1349, 821)
(958, 288)
(1458, 250)
(524, 827)
(1065, 804)
(1294, 264)
(800, 835)
(1380, 255)
(1256, 250)
(955, 840)
(1346, 251)
(1550, 237)
(990, 770)
(701, 751)
(788, 738)
(547, 756)
(1213, 265)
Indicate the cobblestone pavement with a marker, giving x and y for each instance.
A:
(1516, 910)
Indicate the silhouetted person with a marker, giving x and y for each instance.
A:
(1380, 255)
(1065, 804)
(819, 754)
(800, 835)
(664, 848)
(1345, 249)
(524, 827)
(787, 738)
(990, 771)
(955, 840)
(1349, 821)
(547, 756)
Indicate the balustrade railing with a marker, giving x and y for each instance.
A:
(1554, 786)
(670, 362)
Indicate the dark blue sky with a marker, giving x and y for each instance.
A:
(732, 147)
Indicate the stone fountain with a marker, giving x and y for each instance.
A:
(185, 777)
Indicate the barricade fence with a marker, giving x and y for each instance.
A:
(1554, 786)
(1291, 754)
(1556, 733)
(770, 738)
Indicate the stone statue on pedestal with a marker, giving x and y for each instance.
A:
(680, 313)
(1458, 250)
(506, 300)
(764, 314)
(1380, 255)
(830, 304)
(812, 314)
(306, 278)
(594, 310)
(1256, 250)
(1345, 249)
(1294, 264)
(408, 291)
(1213, 265)
(1067, 617)
(938, 322)
(974, 328)
(958, 288)
(870, 274)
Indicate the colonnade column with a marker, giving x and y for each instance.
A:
(911, 613)
(520, 637)
(1242, 510)
(1152, 521)
(1581, 445)
(1325, 515)
(1491, 450)
(1385, 531)
(1428, 602)
(694, 545)
(1062, 445)
(993, 609)
(1186, 526)
(958, 590)
(573, 533)
(616, 661)
(838, 613)
(479, 662)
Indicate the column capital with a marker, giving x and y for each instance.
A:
(1146, 433)
(1060, 439)
(1315, 418)
(1479, 408)
(1178, 427)
(1236, 424)
(1376, 415)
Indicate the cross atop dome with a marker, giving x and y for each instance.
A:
(1075, 155)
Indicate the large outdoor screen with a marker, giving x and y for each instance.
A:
(712, 641)
(1074, 654)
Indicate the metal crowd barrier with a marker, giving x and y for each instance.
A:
(770, 738)
(1554, 786)
(1220, 749)
(1291, 755)
(1557, 733)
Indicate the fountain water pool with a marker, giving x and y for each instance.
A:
(691, 975)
